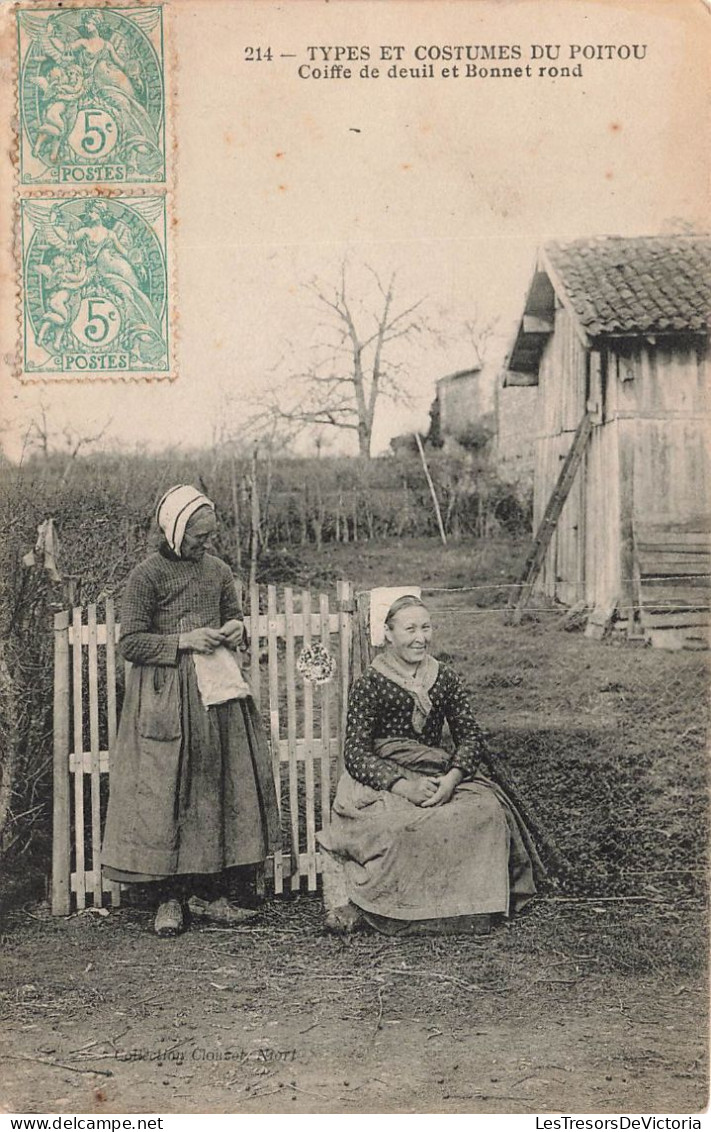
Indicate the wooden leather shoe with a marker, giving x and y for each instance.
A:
(219, 912)
(169, 919)
(344, 919)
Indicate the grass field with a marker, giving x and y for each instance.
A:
(594, 1000)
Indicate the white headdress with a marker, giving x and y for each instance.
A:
(174, 511)
(380, 601)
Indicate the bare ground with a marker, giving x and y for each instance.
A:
(594, 1000)
(103, 1017)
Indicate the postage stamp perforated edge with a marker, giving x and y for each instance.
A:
(117, 299)
(166, 189)
(100, 112)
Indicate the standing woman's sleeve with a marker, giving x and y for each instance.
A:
(139, 643)
(360, 760)
(468, 738)
(230, 605)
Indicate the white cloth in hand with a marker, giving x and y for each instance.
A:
(219, 677)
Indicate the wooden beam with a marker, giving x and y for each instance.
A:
(659, 563)
(516, 377)
(544, 264)
(431, 486)
(534, 324)
(628, 574)
(671, 529)
(600, 621)
(677, 620)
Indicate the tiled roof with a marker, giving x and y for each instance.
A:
(645, 284)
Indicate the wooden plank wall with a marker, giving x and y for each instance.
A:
(561, 404)
(602, 518)
(648, 458)
(659, 401)
(663, 393)
(305, 724)
(674, 565)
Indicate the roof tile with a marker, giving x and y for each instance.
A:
(620, 285)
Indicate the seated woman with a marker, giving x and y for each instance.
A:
(422, 835)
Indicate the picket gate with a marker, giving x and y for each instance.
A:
(305, 724)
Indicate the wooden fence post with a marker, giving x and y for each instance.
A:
(291, 725)
(274, 725)
(78, 744)
(254, 673)
(431, 486)
(255, 521)
(363, 649)
(345, 647)
(309, 790)
(325, 718)
(61, 861)
(94, 768)
(236, 516)
(111, 712)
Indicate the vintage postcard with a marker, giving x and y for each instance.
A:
(361, 345)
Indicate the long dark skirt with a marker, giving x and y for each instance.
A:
(191, 789)
(405, 862)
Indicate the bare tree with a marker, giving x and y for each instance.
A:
(479, 330)
(75, 441)
(42, 437)
(38, 435)
(354, 361)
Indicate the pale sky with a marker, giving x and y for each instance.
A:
(453, 183)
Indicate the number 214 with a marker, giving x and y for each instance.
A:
(257, 54)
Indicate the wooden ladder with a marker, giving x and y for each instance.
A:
(521, 593)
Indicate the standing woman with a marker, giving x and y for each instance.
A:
(192, 792)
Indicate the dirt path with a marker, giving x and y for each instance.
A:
(102, 1017)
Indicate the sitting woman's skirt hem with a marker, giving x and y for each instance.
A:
(441, 925)
(418, 914)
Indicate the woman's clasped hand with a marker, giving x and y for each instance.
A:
(435, 790)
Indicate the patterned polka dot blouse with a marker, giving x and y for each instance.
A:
(380, 709)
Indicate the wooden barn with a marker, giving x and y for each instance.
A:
(615, 334)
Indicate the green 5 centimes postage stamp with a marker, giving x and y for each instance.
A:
(91, 96)
(95, 287)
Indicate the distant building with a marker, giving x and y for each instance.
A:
(618, 327)
(466, 401)
(460, 401)
(515, 447)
